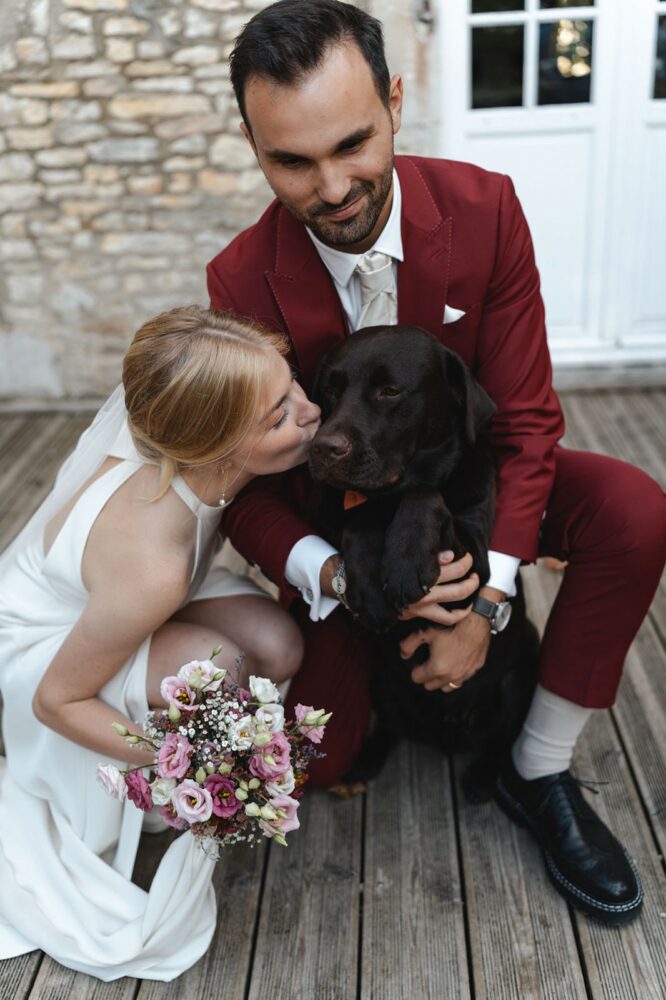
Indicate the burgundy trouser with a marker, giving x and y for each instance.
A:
(607, 519)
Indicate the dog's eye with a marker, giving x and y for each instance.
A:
(388, 392)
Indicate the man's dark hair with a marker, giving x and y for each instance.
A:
(289, 39)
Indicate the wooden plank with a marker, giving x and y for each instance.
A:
(224, 969)
(413, 911)
(17, 975)
(10, 425)
(628, 962)
(55, 982)
(307, 943)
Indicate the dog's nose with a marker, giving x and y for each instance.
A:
(331, 447)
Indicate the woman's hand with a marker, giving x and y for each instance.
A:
(448, 588)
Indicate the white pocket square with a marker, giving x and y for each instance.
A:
(451, 314)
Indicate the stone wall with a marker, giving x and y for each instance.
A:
(122, 171)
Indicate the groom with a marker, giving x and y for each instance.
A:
(356, 238)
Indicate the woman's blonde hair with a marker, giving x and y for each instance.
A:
(195, 380)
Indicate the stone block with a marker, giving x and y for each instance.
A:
(105, 86)
(72, 133)
(184, 163)
(38, 13)
(149, 49)
(197, 55)
(16, 167)
(30, 138)
(171, 23)
(60, 176)
(7, 59)
(150, 67)
(189, 126)
(29, 366)
(232, 152)
(138, 149)
(145, 243)
(16, 249)
(170, 84)
(31, 50)
(221, 5)
(60, 157)
(180, 182)
(198, 25)
(189, 144)
(33, 112)
(73, 47)
(76, 21)
(96, 68)
(87, 191)
(162, 106)
(49, 90)
(24, 288)
(84, 208)
(13, 224)
(120, 50)
(125, 26)
(100, 173)
(217, 183)
(76, 111)
(147, 184)
(93, 5)
(9, 110)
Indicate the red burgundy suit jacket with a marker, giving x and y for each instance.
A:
(466, 244)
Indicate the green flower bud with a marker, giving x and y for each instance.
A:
(219, 675)
(132, 739)
(120, 729)
(218, 649)
(210, 767)
(252, 809)
(253, 783)
(261, 739)
(225, 768)
(240, 794)
(279, 839)
(200, 776)
(267, 812)
(174, 713)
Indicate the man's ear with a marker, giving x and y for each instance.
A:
(395, 102)
(476, 406)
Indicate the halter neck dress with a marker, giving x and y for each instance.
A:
(67, 850)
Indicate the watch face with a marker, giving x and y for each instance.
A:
(502, 616)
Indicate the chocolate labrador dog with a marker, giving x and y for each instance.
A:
(407, 473)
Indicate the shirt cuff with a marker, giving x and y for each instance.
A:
(503, 569)
(302, 570)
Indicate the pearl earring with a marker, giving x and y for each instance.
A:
(222, 501)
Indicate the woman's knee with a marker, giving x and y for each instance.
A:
(278, 646)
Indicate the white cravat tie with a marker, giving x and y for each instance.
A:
(379, 299)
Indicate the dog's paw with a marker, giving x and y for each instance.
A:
(406, 582)
(369, 606)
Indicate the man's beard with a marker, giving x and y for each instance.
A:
(347, 232)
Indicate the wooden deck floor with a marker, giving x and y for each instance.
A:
(408, 892)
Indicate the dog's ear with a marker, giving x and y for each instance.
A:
(476, 406)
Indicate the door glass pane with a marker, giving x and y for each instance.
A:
(660, 65)
(565, 62)
(490, 6)
(549, 4)
(497, 66)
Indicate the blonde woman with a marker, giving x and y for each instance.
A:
(105, 592)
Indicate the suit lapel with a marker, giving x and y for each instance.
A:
(305, 296)
(423, 276)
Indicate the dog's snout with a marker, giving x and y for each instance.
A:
(331, 447)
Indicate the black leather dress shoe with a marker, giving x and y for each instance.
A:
(585, 862)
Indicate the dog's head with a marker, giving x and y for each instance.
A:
(388, 394)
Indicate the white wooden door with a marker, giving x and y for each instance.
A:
(569, 98)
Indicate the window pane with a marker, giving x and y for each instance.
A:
(660, 65)
(565, 62)
(490, 6)
(549, 4)
(497, 66)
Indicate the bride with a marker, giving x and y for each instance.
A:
(109, 589)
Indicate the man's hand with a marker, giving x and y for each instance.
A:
(455, 654)
(449, 587)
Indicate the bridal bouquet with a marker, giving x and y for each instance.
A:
(226, 764)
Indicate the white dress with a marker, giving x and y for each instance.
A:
(67, 849)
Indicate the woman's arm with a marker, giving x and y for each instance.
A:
(136, 584)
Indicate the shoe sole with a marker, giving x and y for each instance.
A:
(614, 914)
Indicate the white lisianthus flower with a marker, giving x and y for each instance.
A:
(271, 716)
(284, 784)
(241, 733)
(112, 781)
(264, 690)
(201, 673)
(161, 789)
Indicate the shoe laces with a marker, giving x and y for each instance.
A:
(570, 804)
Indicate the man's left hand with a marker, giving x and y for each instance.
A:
(455, 653)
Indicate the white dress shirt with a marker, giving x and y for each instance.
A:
(310, 553)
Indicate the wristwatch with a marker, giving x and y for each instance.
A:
(339, 584)
(498, 613)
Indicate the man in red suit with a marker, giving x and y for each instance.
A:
(354, 237)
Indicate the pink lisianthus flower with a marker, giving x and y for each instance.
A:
(201, 673)
(176, 692)
(283, 824)
(222, 790)
(173, 758)
(138, 790)
(192, 802)
(314, 733)
(112, 781)
(171, 818)
(273, 759)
